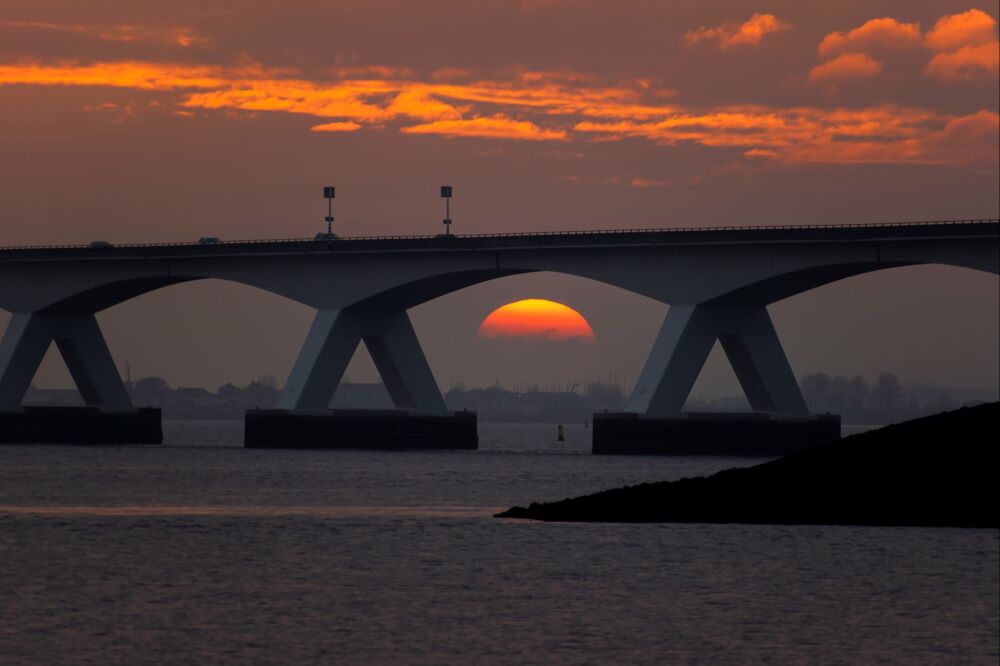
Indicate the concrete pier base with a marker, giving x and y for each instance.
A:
(80, 425)
(359, 429)
(711, 434)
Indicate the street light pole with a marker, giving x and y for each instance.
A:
(328, 194)
(446, 195)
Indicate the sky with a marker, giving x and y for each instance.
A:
(164, 121)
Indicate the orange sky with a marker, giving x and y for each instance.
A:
(162, 121)
(569, 105)
(661, 97)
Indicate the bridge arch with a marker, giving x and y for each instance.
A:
(407, 294)
(935, 320)
(785, 285)
(75, 331)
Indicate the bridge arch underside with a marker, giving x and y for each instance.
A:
(931, 320)
(71, 327)
(364, 304)
(427, 288)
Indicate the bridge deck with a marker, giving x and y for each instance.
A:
(985, 228)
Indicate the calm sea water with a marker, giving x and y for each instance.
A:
(202, 552)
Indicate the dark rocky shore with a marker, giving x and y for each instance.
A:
(938, 470)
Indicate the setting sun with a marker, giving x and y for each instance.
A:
(536, 318)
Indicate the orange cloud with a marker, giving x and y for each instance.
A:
(964, 140)
(372, 72)
(422, 104)
(749, 33)
(967, 139)
(966, 63)
(179, 36)
(373, 100)
(887, 33)
(546, 92)
(364, 100)
(845, 67)
(966, 46)
(969, 28)
(762, 153)
(536, 318)
(493, 127)
(342, 126)
(539, 106)
(648, 182)
(126, 74)
(886, 134)
(354, 100)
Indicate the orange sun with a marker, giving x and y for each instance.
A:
(536, 318)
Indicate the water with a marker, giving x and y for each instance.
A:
(200, 551)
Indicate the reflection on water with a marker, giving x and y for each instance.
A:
(200, 551)
(259, 511)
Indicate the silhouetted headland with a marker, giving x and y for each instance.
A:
(938, 470)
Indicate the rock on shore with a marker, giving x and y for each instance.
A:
(938, 470)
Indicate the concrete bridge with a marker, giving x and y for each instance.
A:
(718, 282)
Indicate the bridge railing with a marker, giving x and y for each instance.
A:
(513, 234)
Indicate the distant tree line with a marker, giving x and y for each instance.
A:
(854, 398)
(569, 403)
(886, 400)
(838, 394)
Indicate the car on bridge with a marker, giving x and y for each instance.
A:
(100, 243)
(208, 240)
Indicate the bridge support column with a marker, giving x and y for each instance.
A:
(302, 420)
(754, 350)
(108, 417)
(22, 348)
(82, 346)
(400, 360)
(684, 342)
(653, 422)
(394, 347)
(679, 352)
